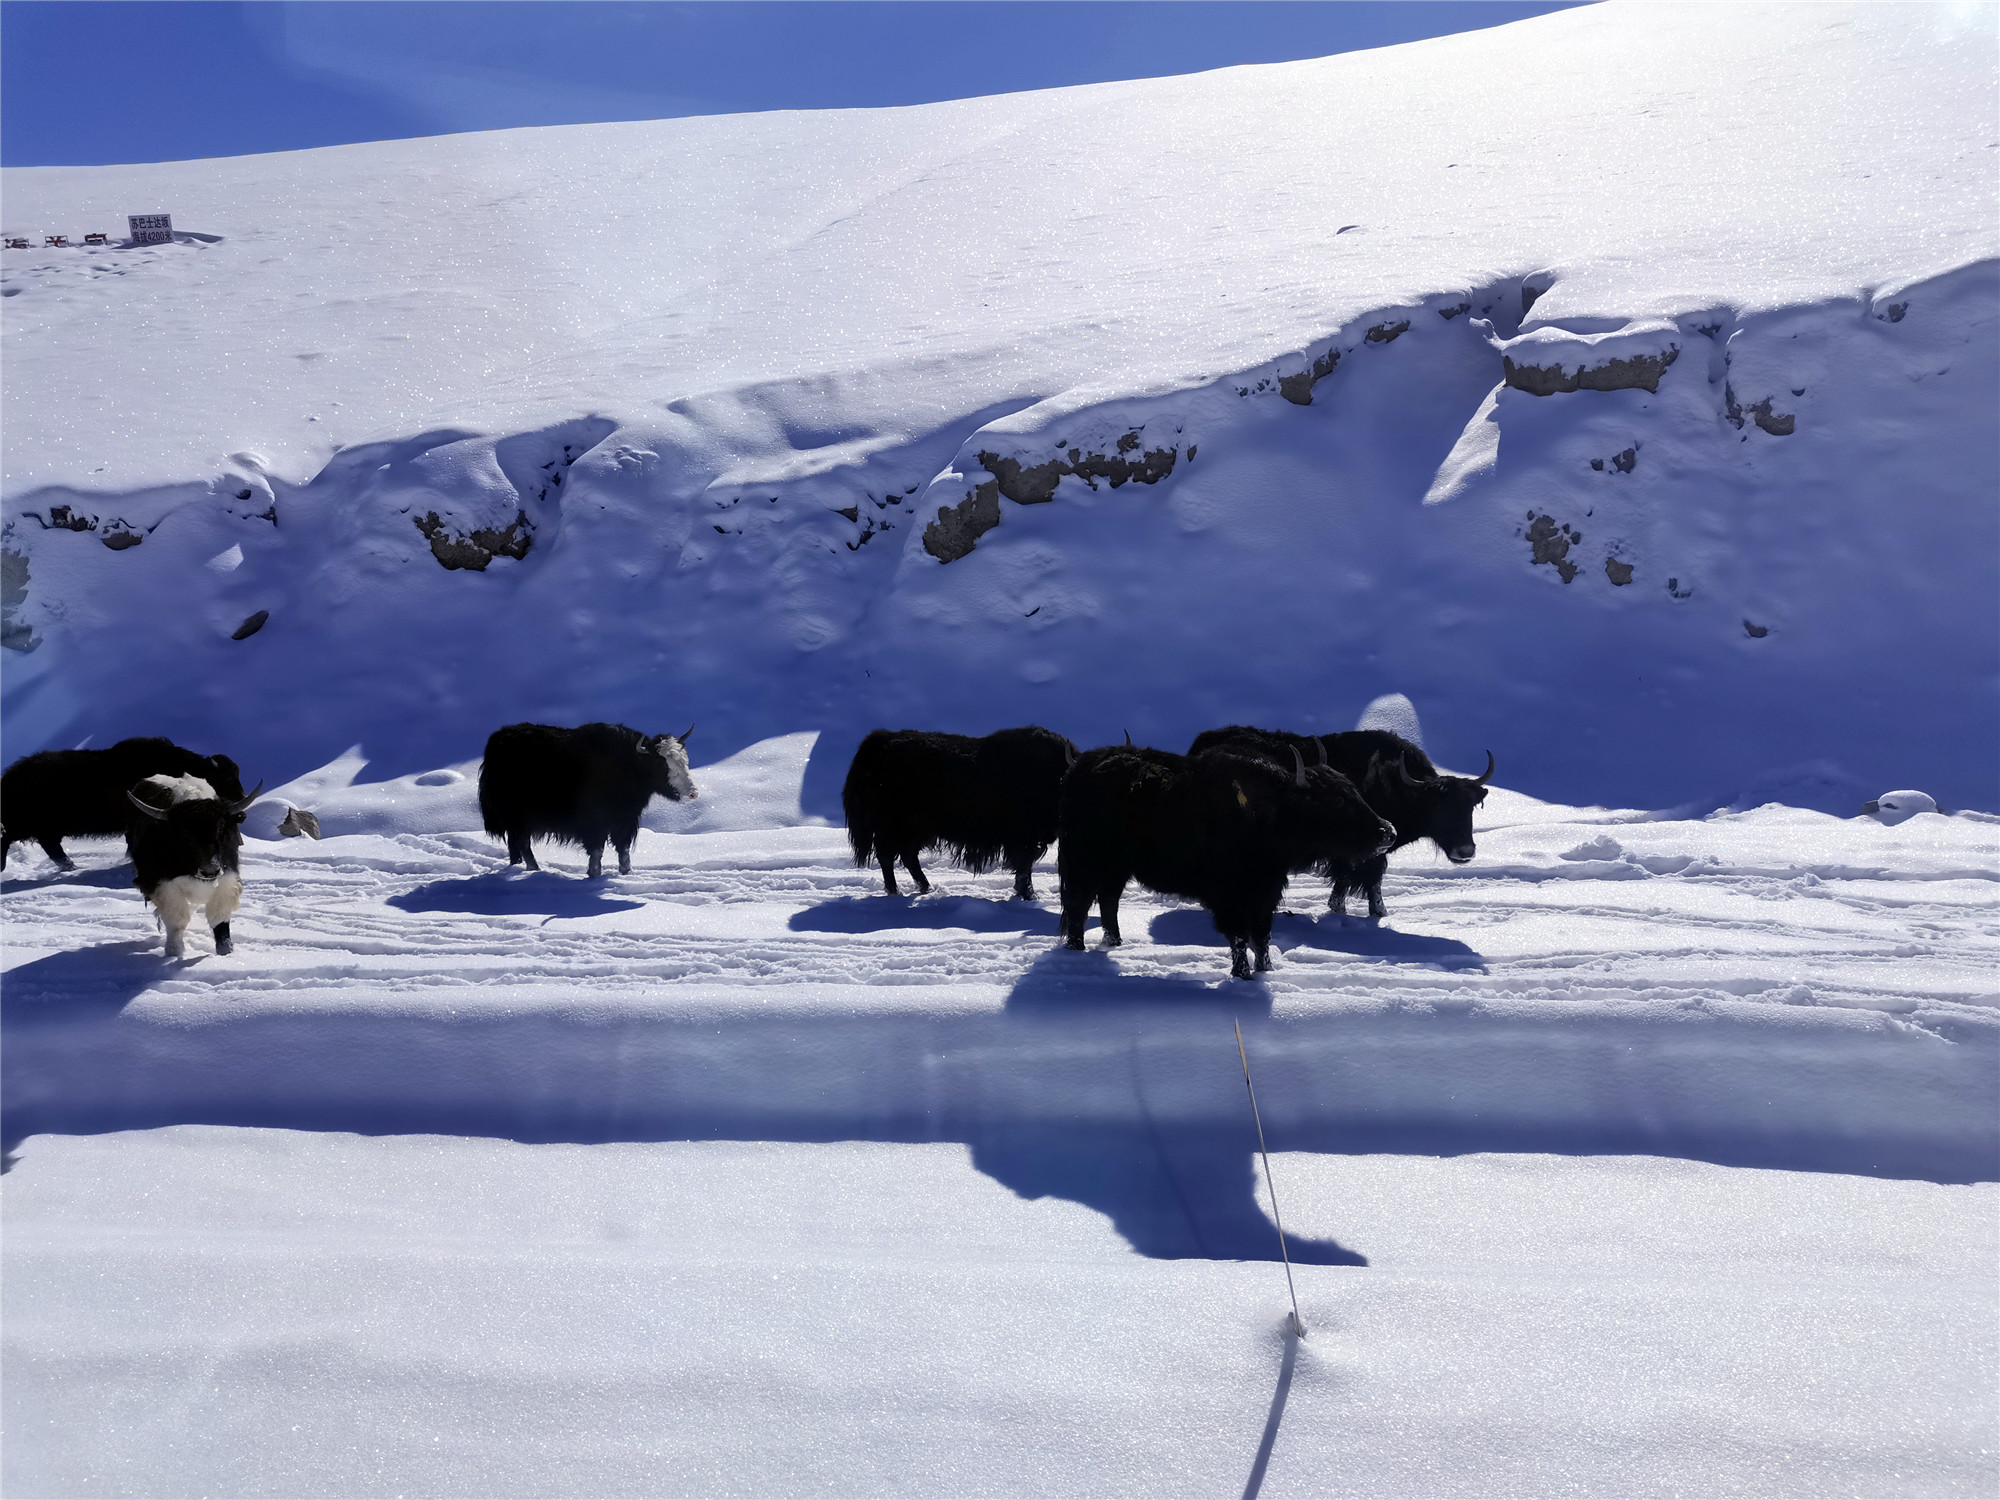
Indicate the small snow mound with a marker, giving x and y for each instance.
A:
(1601, 847)
(1395, 713)
(445, 777)
(1899, 807)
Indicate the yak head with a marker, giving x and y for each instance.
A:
(670, 776)
(1450, 800)
(206, 832)
(1345, 825)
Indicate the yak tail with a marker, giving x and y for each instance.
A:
(860, 824)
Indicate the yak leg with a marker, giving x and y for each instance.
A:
(222, 904)
(52, 846)
(1260, 941)
(1239, 958)
(1371, 885)
(1344, 880)
(1076, 896)
(1108, 894)
(624, 852)
(1022, 863)
(174, 904)
(595, 854)
(519, 850)
(916, 870)
(887, 856)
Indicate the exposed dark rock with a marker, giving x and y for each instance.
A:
(1778, 424)
(1597, 464)
(62, 518)
(1674, 588)
(120, 539)
(1448, 313)
(1033, 486)
(1530, 295)
(959, 527)
(1895, 311)
(852, 512)
(1625, 462)
(1620, 573)
(1298, 389)
(1550, 544)
(1756, 632)
(250, 626)
(1637, 372)
(14, 634)
(475, 551)
(1385, 333)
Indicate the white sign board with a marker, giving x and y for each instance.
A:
(151, 229)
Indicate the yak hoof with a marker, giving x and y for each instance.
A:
(1075, 943)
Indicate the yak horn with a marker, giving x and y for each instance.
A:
(1298, 767)
(683, 735)
(243, 806)
(1070, 752)
(145, 807)
(1489, 770)
(1128, 739)
(1320, 745)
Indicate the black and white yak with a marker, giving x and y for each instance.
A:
(57, 794)
(184, 839)
(987, 801)
(582, 786)
(1221, 827)
(1399, 782)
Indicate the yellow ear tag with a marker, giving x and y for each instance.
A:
(1241, 800)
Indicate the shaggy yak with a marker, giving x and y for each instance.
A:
(987, 801)
(1222, 827)
(184, 840)
(1399, 782)
(58, 794)
(579, 786)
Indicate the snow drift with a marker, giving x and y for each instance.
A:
(1618, 386)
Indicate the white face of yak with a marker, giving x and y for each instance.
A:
(674, 753)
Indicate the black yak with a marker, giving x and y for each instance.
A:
(993, 800)
(58, 794)
(1399, 782)
(1222, 827)
(580, 786)
(184, 840)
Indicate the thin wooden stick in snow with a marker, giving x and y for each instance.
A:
(1298, 1323)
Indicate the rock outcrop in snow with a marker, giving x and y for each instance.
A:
(1699, 485)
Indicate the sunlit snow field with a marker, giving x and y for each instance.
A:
(735, 1176)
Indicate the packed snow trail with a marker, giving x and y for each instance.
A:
(736, 1174)
(1774, 988)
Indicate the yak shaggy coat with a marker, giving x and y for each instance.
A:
(1223, 828)
(184, 840)
(58, 794)
(1399, 782)
(580, 786)
(987, 801)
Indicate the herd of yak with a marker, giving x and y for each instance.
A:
(1226, 824)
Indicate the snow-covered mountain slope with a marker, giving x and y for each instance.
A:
(1619, 385)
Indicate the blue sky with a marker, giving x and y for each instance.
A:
(91, 82)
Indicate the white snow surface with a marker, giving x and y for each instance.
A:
(716, 380)
(1639, 1156)
(1652, 1152)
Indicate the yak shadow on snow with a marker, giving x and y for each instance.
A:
(110, 877)
(1190, 927)
(1176, 1190)
(87, 983)
(890, 913)
(532, 893)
